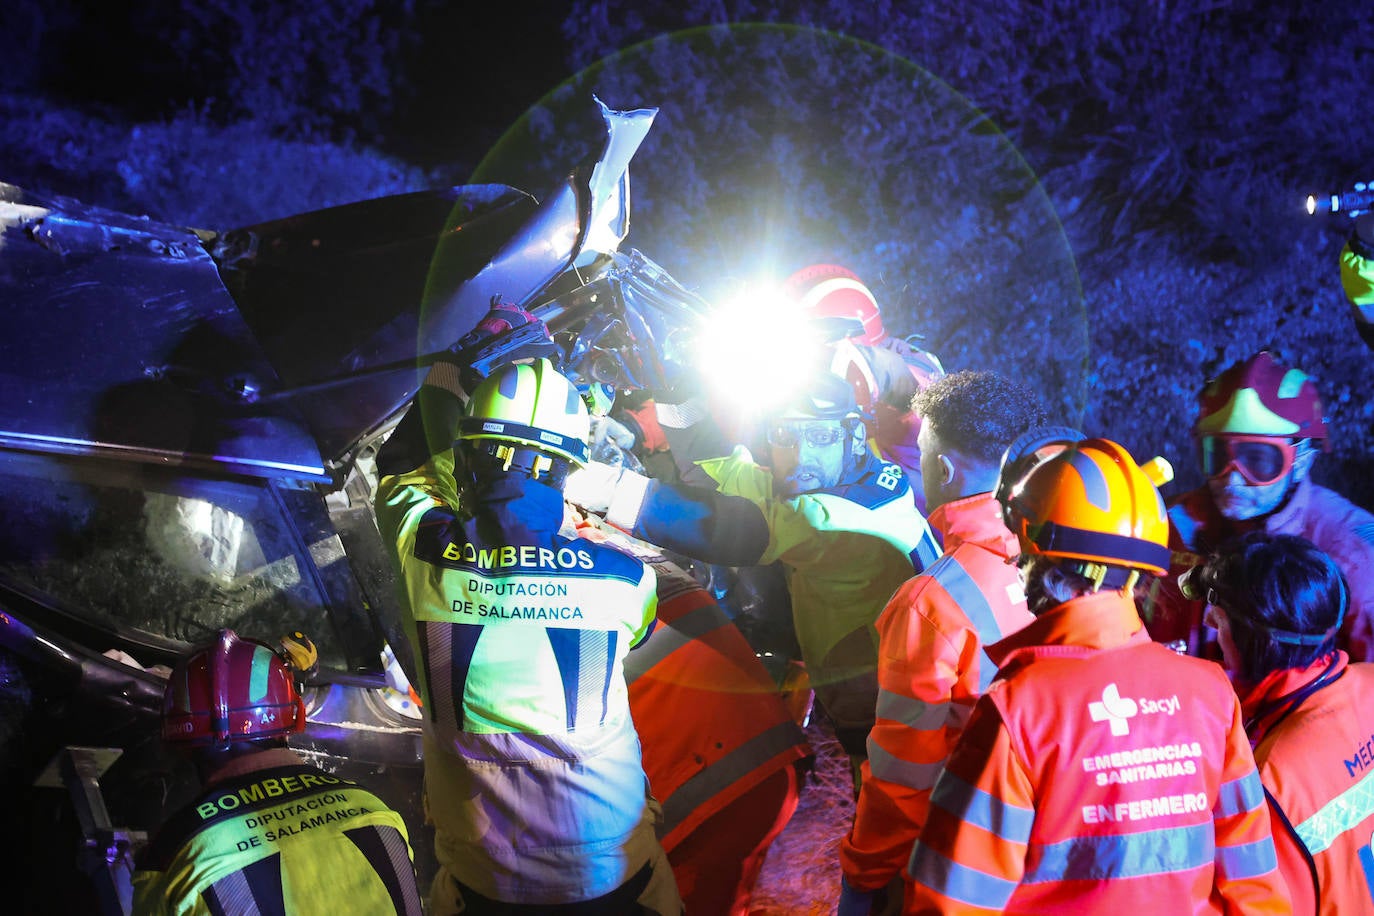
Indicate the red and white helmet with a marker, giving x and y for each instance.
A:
(1260, 396)
(231, 690)
(831, 291)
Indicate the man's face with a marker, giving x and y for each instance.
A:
(1249, 476)
(808, 455)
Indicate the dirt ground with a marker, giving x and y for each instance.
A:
(801, 875)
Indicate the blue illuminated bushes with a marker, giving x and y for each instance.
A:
(208, 113)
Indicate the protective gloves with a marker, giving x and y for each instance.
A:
(615, 492)
(612, 442)
(507, 333)
(853, 902)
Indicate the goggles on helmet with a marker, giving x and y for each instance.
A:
(1261, 460)
(788, 435)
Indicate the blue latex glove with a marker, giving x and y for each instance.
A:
(852, 902)
(506, 334)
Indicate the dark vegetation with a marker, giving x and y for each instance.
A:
(1102, 197)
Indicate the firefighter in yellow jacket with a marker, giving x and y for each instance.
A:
(533, 775)
(270, 833)
(1357, 274)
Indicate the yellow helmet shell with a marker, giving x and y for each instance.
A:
(530, 404)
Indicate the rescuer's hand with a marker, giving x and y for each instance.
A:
(613, 443)
(506, 334)
(852, 902)
(615, 492)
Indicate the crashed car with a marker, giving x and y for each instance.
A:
(187, 425)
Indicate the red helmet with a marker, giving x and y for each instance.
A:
(831, 291)
(1260, 396)
(231, 690)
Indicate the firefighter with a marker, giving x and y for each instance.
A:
(721, 747)
(269, 833)
(1101, 772)
(1357, 274)
(1277, 603)
(931, 665)
(1259, 429)
(885, 371)
(841, 522)
(533, 776)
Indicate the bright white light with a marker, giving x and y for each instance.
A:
(756, 350)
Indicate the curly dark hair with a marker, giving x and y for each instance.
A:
(979, 413)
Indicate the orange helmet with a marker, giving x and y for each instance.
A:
(831, 291)
(1091, 503)
(1260, 396)
(232, 690)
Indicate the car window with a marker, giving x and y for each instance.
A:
(129, 546)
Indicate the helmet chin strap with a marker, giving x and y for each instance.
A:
(533, 463)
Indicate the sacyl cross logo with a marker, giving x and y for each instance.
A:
(1115, 709)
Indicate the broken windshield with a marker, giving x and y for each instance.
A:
(158, 556)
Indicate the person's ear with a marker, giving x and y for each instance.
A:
(946, 470)
(1302, 461)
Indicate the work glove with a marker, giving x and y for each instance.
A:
(612, 442)
(853, 902)
(507, 333)
(615, 492)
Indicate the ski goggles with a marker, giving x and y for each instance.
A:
(788, 435)
(1261, 460)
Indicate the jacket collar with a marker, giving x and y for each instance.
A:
(1103, 620)
(1259, 703)
(977, 520)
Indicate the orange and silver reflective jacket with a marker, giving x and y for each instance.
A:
(1100, 773)
(1317, 766)
(931, 669)
(710, 718)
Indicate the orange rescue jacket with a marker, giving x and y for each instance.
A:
(931, 669)
(710, 719)
(1317, 765)
(1100, 773)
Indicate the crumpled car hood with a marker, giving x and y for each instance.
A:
(275, 349)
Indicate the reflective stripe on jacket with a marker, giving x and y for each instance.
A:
(1100, 773)
(931, 669)
(520, 635)
(291, 839)
(1317, 764)
(708, 714)
(1327, 519)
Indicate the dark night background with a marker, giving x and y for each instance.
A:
(1104, 197)
(1101, 197)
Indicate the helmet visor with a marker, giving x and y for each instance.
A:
(1261, 460)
